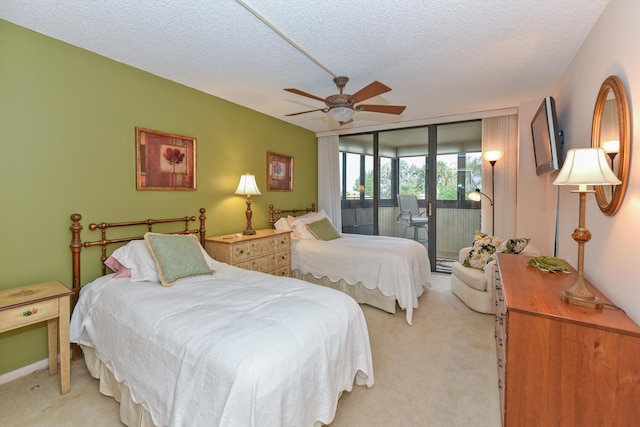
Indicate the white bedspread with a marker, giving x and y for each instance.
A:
(238, 348)
(397, 267)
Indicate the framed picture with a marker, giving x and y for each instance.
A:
(165, 161)
(279, 172)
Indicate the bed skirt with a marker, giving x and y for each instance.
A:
(132, 414)
(358, 292)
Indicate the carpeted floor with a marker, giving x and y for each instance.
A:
(440, 372)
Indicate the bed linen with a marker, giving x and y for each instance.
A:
(395, 266)
(236, 348)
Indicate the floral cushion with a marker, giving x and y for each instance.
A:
(484, 245)
(510, 246)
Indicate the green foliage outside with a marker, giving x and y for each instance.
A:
(412, 179)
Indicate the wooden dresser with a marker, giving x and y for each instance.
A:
(561, 364)
(268, 251)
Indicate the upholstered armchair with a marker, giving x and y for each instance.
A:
(475, 287)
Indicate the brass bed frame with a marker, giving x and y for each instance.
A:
(276, 214)
(77, 244)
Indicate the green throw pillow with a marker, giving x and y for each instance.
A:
(176, 256)
(323, 229)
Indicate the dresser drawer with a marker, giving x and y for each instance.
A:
(284, 271)
(28, 314)
(282, 242)
(283, 258)
(241, 252)
(264, 263)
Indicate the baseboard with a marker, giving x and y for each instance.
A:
(24, 371)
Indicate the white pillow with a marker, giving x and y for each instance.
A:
(136, 256)
(283, 225)
(299, 224)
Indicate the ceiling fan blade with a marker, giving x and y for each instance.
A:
(305, 112)
(389, 109)
(374, 89)
(308, 95)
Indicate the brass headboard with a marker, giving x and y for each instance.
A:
(276, 214)
(77, 244)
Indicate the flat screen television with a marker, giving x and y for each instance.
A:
(547, 138)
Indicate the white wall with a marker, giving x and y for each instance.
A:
(611, 262)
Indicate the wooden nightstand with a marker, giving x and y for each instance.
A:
(268, 251)
(35, 303)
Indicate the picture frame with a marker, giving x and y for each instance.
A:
(279, 172)
(165, 161)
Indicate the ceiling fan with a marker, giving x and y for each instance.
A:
(341, 106)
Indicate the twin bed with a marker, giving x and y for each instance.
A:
(198, 342)
(384, 272)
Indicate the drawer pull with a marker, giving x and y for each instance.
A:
(29, 312)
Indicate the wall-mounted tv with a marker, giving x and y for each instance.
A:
(547, 138)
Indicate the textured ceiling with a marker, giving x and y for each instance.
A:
(440, 57)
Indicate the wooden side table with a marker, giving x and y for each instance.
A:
(268, 251)
(36, 303)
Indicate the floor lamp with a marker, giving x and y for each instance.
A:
(583, 167)
(476, 196)
(492, 157)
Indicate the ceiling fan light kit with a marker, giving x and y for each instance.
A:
(341, 106)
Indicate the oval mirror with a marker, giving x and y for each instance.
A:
(611, 132)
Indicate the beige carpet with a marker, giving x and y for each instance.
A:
(440, 372)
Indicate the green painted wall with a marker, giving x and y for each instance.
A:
(67, 131)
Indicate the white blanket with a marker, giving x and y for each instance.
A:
(238, 348)
(397, 267)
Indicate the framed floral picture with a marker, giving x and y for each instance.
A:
(165, 161)
(279, 172)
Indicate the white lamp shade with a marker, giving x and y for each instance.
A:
(612, 146)
(475, 196)
(586, 166)
(341, 114)
(248, 186)
(492, 156)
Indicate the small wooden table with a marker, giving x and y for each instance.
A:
(36, 303)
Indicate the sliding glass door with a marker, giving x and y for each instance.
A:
(378, 167)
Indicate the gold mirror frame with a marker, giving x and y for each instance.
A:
(609, 199)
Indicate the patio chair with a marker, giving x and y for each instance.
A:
(410, 215)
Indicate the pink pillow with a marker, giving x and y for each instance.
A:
(119, 269)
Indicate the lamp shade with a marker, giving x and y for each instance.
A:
(612, 146)
(475, 195)
(492, 156)
(586, 166)
(341, 114)
(248, 186)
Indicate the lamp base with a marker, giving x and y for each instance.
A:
(578, 294)
(584, 302)
(249, 232)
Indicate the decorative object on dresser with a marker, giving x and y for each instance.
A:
(561, 364)
(268, 251)
(48, 301)
(248, 187)
(583, 167)
(165, 161)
